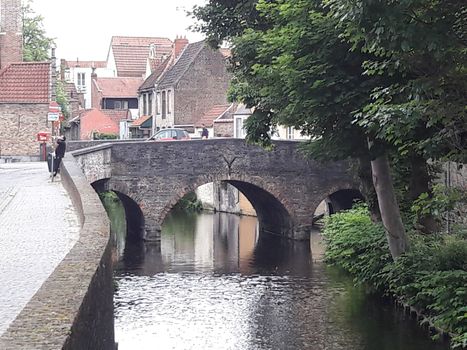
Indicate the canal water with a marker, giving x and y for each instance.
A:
(214, 282)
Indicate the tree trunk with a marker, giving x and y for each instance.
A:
(366, 187)
(420, 183)
(388, 206)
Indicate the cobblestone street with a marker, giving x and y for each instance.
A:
(38, 227)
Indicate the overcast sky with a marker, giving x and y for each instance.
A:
(83, 28)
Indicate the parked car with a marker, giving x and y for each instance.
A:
(170, 135)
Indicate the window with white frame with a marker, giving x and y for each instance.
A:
(239, 127)
(158, 103)
(81, 80)
(289, 133)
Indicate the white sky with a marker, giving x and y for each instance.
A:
(83, 28)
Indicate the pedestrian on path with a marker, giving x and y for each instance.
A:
(204, 133)
(59, 153)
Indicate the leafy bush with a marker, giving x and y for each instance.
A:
(190, 202)
(431, 276)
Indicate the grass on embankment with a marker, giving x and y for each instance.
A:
(432, 277)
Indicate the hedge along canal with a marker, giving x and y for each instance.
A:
(430, 280)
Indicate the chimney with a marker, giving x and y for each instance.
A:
(11, 32)
(179, 45)
(53, 65)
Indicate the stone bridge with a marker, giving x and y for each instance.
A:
(283, 186)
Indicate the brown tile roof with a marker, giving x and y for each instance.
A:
(140, 120)
(174, 73)
(118, 87)
(25, 82)
(131, 53)
(156, 74)
(86, 64)
(215, 112)
(117, 115)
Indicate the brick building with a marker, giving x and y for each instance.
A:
(11, 32)
(195, 83)
(25, 90)
(24, 103)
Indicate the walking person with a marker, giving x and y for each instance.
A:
(204, 133)
(59, 153)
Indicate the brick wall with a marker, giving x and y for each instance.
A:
(202, 87)
(11, 40)
(19, 125)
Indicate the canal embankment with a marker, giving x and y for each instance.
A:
(429, 281)
(73, 309)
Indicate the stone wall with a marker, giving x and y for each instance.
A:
(284, 187)
(19, 124)
(73, 309)
(224, 128)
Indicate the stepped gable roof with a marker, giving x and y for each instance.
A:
(118, 87)
(176, 72)
(86, 64)
(131, 53)
(25, 82)
(155, 75)
(214, 113)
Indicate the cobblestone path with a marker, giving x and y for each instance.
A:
(38, 227)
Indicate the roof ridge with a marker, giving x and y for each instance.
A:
(192, 59)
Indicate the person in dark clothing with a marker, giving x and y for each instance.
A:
(59, 153)
(204, 133)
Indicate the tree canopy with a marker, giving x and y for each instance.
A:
(36, 45)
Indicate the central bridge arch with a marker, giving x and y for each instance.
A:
(283, 186)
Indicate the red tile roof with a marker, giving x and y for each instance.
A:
(86, 64)
(208, 118)
(117, 115)
(94, 120)
(118, 87)
(140, 120)
(25, 82)
(131, 53)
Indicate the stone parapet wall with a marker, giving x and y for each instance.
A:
(73, 309)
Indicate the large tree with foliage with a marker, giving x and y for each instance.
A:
(295, 69)
(36, 45)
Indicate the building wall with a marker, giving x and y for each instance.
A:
(224, 129)
(20, 124)
(203, 86)
(11, 28)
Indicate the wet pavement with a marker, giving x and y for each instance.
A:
(38, 227)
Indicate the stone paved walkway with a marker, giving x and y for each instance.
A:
(38, 227)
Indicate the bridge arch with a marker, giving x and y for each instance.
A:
(134, 216)
(284, 186)
(338, 198)
(273, 215)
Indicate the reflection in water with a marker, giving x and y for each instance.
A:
(215, 283)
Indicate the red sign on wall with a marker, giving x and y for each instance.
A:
(43, 136)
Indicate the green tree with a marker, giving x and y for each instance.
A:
(300, 72)
(419, 47)
(36, 45)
